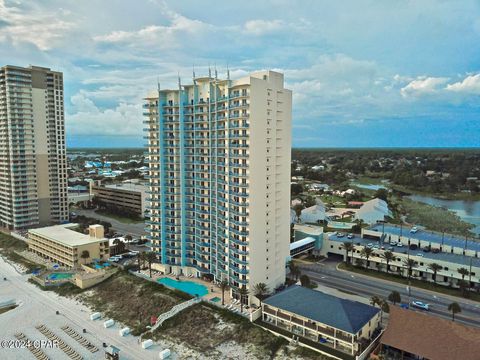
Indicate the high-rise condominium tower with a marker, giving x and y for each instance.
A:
(33, 169)
(219, 158)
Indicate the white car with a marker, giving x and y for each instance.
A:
(350, 236)
(113, 259)
(414, 229)
(420, 305)
(399, 244)
(370, 245)
(420, 254)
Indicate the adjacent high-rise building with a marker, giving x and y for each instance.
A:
(219, 177)
(33, 168)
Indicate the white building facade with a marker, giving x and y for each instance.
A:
(219, 178)
(33, 166)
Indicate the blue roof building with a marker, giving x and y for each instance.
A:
(327, 320)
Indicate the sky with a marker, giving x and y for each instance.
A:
(364, 73)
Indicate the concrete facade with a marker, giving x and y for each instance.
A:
(33, 167)
(219, 170)
(65, 246)
(127, 196)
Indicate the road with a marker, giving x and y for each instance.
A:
(133, 229)
(40, 306)
(325, 273)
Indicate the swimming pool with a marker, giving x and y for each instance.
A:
(340, 225)
(59, 276)
(189, 287)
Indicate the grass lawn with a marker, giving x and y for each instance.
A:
(434, 218)
(122, 219)
(218, 326)
(131, 300)
(413, 282)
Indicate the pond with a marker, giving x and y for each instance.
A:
(467, 210)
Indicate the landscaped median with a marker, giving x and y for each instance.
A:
(447, 290)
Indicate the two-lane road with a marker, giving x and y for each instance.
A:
(327, 275)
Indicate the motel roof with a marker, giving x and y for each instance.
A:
(63, 234)
(346, 315)
(431, 337)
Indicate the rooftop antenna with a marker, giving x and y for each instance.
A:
(193, 69)
(158, 84)
(228, 73)
(209, 72)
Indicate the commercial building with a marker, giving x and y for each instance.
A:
(414, 335)
(65, 246)
(322, 320)
(33, 167)
(219, 170)
(451, 253)
(130, 197)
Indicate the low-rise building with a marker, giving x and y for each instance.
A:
(414, 335)
(313, 214)
(328, 322)
(130, 197)
(373, 211)
(65, 246)
(413, 253)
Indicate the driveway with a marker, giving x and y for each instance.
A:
(137, 229)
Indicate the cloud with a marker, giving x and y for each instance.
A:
(32, 24)
(262, 27)
(469, 85)
(423, 85)
(88, 119)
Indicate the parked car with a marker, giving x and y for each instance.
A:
(420, 254)
(426, 249)
(404, 306)
(399, 244)
(420, 305)
(114, 259)
(413, 247)
(340, 234)
(414, 230)
(435, 250)
(350, 236)
(370, 245)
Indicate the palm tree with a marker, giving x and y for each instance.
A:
(375, 300)
(141, 260)
(454, 308)
(294, 270)
(409, 264)
(120, 245)
(150, 257)
(85, 255)
(242, 292)
(394, 297)
(298, 211)
(260, 291)
(223, 286)
(435, 268)
(366, 253)
(305, 281)
(464, 272)
(348, 247)
(388, 256)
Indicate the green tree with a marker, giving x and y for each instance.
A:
(348, 247)
(376, 300)
(409, 264)
(85, 255)
(394, 297)
(435, 268)
(294, 270)
(381, 194)
(305, 281)
(366, 253)
(150, 258)
(388, 256)
(243, 292)
(298, 211)
(223, 286)
(464, 272)
(454, 308)
(260, 291)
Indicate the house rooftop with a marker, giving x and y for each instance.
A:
(343, 314)
(431, 337)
